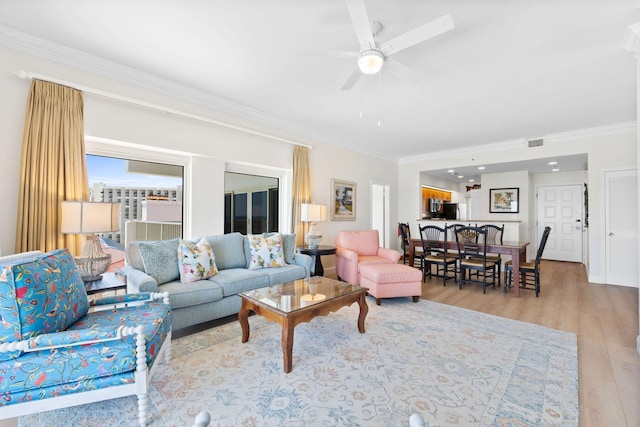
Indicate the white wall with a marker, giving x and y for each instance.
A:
(209, 150)
(609, 148)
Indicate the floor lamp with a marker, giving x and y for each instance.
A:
(313, 213)
(90, 218)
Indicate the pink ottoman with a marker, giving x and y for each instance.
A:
(391, 280)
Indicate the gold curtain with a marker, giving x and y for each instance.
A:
(300, 192)
(53, 167)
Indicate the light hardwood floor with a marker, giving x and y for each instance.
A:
(604, 317)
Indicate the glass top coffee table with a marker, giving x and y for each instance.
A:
(292, 303)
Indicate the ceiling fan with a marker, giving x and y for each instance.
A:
(372, 55)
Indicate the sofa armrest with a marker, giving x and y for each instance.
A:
(390, 254)
(138, 281)
(304, 261)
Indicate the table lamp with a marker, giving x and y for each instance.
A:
(79, 217)
(313, 213)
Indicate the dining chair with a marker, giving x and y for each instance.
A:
(472, 256)
(494, 236)
(434, 252)
(405, 235)
(529, 271)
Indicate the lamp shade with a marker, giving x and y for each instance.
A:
(90, 217)
(313, 213)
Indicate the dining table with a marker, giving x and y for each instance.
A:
(517, 250)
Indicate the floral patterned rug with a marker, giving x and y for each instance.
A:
(452, 366)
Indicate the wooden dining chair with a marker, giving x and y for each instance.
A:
(434, 252)
(405, 235)
(494, 236)
(472, 257)
(529, 271)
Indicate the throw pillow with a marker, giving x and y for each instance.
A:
(288, 246)
(160, 259)
(197, 261)
(266, 252)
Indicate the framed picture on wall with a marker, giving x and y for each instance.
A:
(343, 200)
(504, 200)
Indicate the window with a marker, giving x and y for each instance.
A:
(250, 203)
(150, 194)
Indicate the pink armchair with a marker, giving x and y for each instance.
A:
(356, 248)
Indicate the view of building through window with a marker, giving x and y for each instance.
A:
(150, 197)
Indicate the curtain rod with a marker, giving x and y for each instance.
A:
(30, 75)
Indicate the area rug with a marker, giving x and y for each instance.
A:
(450, 365)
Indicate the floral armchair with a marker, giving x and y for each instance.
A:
(357, 248)
(58, 350)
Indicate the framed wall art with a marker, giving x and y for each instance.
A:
(504, 200)
(343, 200)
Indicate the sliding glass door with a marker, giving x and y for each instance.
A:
(251, 204)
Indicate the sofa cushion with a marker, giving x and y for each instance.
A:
(40, 294)
(364, 242)
(160, 259)
(228, 250)
(239, 280)
(196, 261)
(286, 274)
(192, 293)
(266, 252)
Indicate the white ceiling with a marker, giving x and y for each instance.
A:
(508, 70)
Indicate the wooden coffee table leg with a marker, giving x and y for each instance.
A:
(364, 309)
(287, 344)
(243, 318)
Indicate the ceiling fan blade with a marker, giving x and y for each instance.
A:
(352, 80)
(361, 24)
(401, 71)
(417, 35)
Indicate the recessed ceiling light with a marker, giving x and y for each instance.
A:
(481, 167)
(471, 180)
(450, 171)
(555, 169)
(460, 176)
(553, 163)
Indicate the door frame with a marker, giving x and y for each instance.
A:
(385, 235)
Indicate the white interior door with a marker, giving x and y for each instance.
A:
(561, 208)
(380, 212)
(621, 205)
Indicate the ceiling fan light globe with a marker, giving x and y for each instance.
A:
(370, 61)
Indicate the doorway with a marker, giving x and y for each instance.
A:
(621, 227)
(561, 208)
(380, 212)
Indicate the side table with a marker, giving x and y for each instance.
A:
(317, 253)
(110, 281)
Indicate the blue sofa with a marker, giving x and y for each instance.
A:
(58, 350)
(152, 266)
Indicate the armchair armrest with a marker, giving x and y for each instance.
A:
(348, 254)
(73, 338)
(390, 254)
(117, 301)
(138, 281)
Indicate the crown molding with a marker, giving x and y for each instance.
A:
(42, 48)
(515, 143)
(494, 146)
(590, 132)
